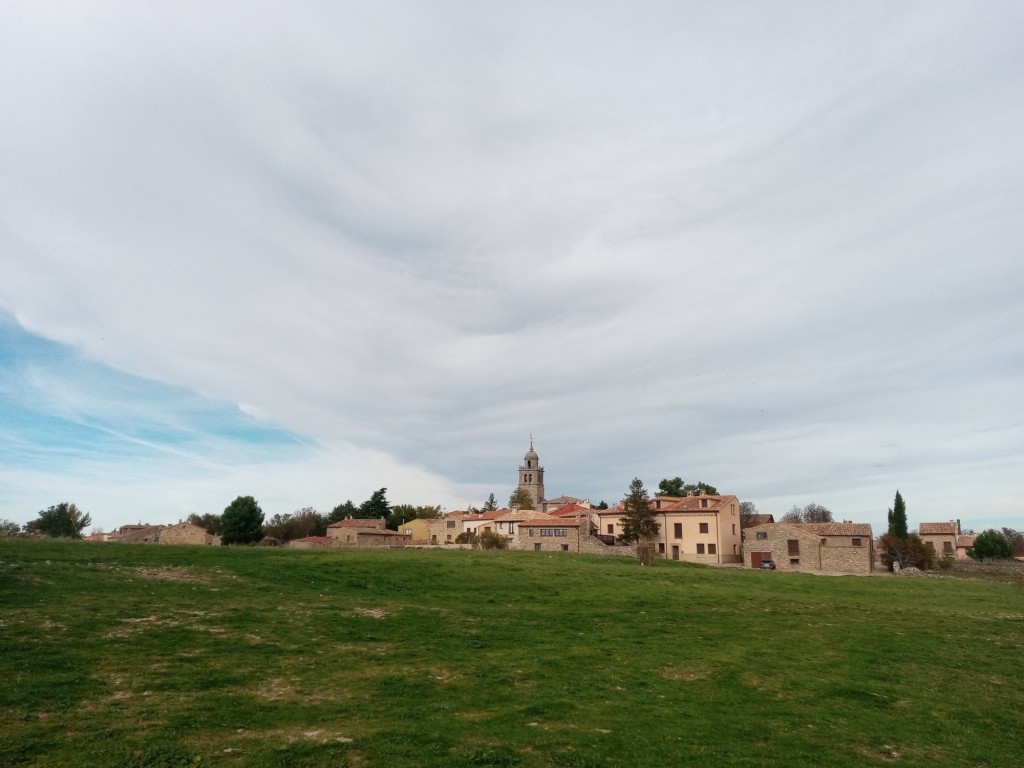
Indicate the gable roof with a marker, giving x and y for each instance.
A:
(680, 504)
(936, 529)
(759, 519)
(358, 522)
(836, 529)
(569, 510)
(965, 541)
(817, 530)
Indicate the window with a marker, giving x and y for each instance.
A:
(947, 547)
(611, 529)
(734, 529)
(857, 542)
(700, 549)
(450, 524)
(793, 546)
(565, 547)
(661, 547)
(712, 549)
(794, 561)
(703, 527)
(677, 530)
(762, 535)
(561, 532)
(531, 532)
(704, 503)
(449, 537)
(545, 531)
(536, 547)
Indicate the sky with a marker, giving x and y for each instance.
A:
(303, 251)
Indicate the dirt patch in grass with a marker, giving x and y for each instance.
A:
(689, 674)
(169, 573)
(373, 613)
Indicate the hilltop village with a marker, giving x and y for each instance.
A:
(698, 527)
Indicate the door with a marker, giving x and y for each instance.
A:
(675, 552)
(757, 557)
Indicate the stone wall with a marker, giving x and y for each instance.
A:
(837, 554)
(186, 533)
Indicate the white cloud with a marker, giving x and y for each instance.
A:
(777, 245)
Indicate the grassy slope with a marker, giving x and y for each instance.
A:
(165, 656)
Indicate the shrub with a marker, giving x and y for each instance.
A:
(491, 540)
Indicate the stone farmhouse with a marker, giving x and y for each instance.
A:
(945, 539)
(179, 533)
(354, 532)
(840, 547)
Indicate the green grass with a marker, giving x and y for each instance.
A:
(155, 656)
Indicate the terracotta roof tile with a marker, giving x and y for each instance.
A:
(549, 522)
(935, 529)
(836, 529)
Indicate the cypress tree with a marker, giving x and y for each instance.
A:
(898, 518)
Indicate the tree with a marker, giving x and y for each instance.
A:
(64, 520)
(1016, 538)
(639, 522)
(210, 522)
(898, 518)
(340, 512)
(9, 528)
(812, 513)
(602, 505)
(520, 499)
(242, 521)
(991, 545)
(296, 525)
(401, 513)
(676, 487)
(376, 506)
(910, 552)
(747, 511)
(491, 505)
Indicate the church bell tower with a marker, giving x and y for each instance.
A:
(531, 476)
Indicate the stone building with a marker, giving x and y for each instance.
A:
(840, 547)
(354, 532)
(941, 538)
(187, 533)
(555, 534)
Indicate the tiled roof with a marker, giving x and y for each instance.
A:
(836, 529)
(494, 514)
(549, 522)
(965, 541)
(570, 509)
(936, 529)
(368, 522)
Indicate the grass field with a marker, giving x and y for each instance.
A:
(153, 656)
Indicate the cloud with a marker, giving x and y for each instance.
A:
(776, 246)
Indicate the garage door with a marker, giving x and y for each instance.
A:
(757, 557)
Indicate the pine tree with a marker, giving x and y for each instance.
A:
(491, 504)
(639, 522)
(242, 521)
